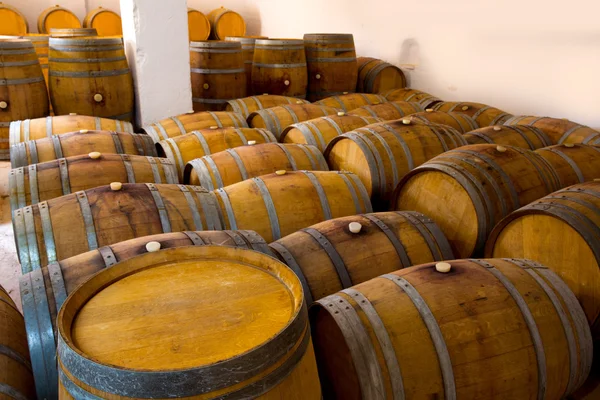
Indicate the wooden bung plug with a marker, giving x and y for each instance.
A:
(214, 127)
(443, 267)
(265, 94)
(116, 186)
(406, 121)
(152, 246)
(501, 149)
(465, 108)
(83, 131)
(206, 86)
(98, 97)
(280, 172)
(344, 92)
(341, 114)
(318, 76)
(429, 109)
(72, 113)
(354, 227)
(3, 105)
(287, 82)
(251, 142)
(191, 112)
(569, 145)
(94, 155)
(299, 102)
(497, 128)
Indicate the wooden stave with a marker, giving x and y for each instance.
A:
(560, 130)
(527, 137)
(483, 114)
(389, 110)
(573, 163)
(461, 122)
(247, 43)
(426, 100)
(368, 72)
(242, 107)
(350, 101)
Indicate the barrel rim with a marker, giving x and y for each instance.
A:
(216, 44)
(19, 13)
(279, 42)
(84, 41)
(16, 43)
(325, 36)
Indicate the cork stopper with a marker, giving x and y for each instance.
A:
(497, 128)
(206, 86)
(251, 142)
(116, 186)
(286, 82)
(214, 127)
(569, 145)
(318, 76)
(299, 101)
(443, 267)
(345, 92)
(429, 110)
(280, 172)
(83, 131)
(406, 121)
(191, 112)
(94, 155)
(152, 246)
(341, 113)
(354, 227)
(98, 97)
(501, 149)
(72, 113)
(3, 105)
(465, 108)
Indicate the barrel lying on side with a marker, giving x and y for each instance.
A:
(376, 76)
(426, 100)
(526, 137)
(573, 163)
(349, 102)
(389, 110)
(483, 114)
(559, 130)
(248, 105)
(461, 122)
(488, 329)
(276, 119)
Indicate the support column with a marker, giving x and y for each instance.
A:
(157, 47)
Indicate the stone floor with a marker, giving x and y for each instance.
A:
(10, 269)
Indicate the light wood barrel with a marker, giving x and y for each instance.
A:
(467, 191)
(279, 67)
(74, 32)
(247, 43)
(183, 149)
(321, 131)
(50, 285)
(527, 137)
(461, 122)
(426, 100)
(277, 205)
(349, 102)
(105, 21)
(218, 74)
(22, 88)
(51, 179)
(12, 21)
(192, 121)
(240, 163)
(16, 379)
(331, 64)
(225, 23)
(276, 119)
(40, 44)
(560, 231)
(483, 114)
(419, 333)
(60, 228)
(388, 110)
(573, 163)
(376, 76)
(248, 105)
(57, 17)
(559, 130)
(198, 25)
(593, 140)
(329, 257)
(39, 128)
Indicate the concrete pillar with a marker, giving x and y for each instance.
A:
(156, 43)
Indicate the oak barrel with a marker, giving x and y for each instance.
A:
(426, 100)
(248, 105)
(388, 110)
(12, 21)
(559, 130)
(483, 114)
(527, 137)
(198, 25)
(72, 32)
(350, 101)
(461, 122)
(57, 17)
(225, 23)
(40, 44)
(573, 163)
(376, 76)
(488, 329)
(276, 119)
(279, 67)
(105, 21)
(247, 43)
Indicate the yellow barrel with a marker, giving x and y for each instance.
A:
(198, 25)
(57, 17)
(461, 122)
(105, 21)
(248, 105)
(12, 21)
(376, 76)
(524, 136)
(72, 32)
(560, 130)
(225, 23)
(573, 163)
(483, 114)
(350, 101)
(388, 111)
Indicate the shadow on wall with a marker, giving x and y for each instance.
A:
(409, 57)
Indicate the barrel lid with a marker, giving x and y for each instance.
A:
(279, 42)
(15, 43)
(228, 23)
(12, 21)
(85, 41)
(216, 44)
(198, 25)
(329, 36)
(244, 39)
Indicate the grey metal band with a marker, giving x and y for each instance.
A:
(88, 74)
(63, 168)
(289, 157)
(128, 168)
(209, 101)
(168, 168)
(195, 238)
(257, 101)
(309, 155)
(34, 252)
(517, 128)
(501, 119)
(18, 63)
(192, 206)
(98, 123)
(179, 125)
(56, 145)
(8, 82)
(372, 155)
(262, 65)
(483, 137)
(108, 256)
(75, 391)
(208, 71)
(362, 190)
(202, 172)
(291, 262)
(569, 161)
(312, 129)
(21, 240)
(333, 124)
(18, 154)
(352, 191)
(117, 143)
(215, 171)
(10, 353)
(155, 172)
(228, 208)
(271, 121)
(86, 213)
(216, 118)
(171, 150)
(11, 392)
(389, 153)
(48, 232)
(241, 135)
(372, 75)
(543, 170)
(321, 193)
(118, 123)
(541, 135)
(256, 242)
(238, 161)
(162, 130)
(49, 132)
(333, 255)
(6, 52)
(58, 284)
(152, 133)
(292, 113)
(33, 186)
(330, 60)
(319, 159)
(84, 49)
(86, 60)
(147, 147)
(372, 112)
(14, 133)
(160, 207)
(270, 206)
(394, 240)
(430, 230)
(237, 239)
(210, 209)
(203, 142)
(568, 133)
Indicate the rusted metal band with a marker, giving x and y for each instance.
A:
(63, 169)
(270, 206)
(256, 242)
(86, 213)
(192, 206)
(334, 256)
(195, 238)
(321, 193)
(160, 207)
(237, 239)
(394, 240)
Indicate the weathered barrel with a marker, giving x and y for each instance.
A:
(573, 163)
(279, 67)
(51, 179)
(183, 149)
(382, 154)
(388, 110)
(57, 17)
(276, 119)
(336, 254)
(376, 76)
(483, 114)
(331, 64)
(350, 101)
(277, 205)
(467, 191)
(198, 25)
(60, 228)
(225, 23)
(247, 43)
(426, 100)
(72, 32)
(240, 163)
(12, 21)
(461, 122)
(559, 130)
(105, 21)
(248, 105)
(488, 329)
(527, 137)
(218, 74)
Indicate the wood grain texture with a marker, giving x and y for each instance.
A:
(40, 44)
(376, 76)
(388, 110)
(559, 130)
(225, 23)
(57, 17)
(483, 114)
(248, 105)
(573, 163)
(105, 21)
(276, 119)
(198, 25)
(426, 100)
(461, 122)
(247, 43)
(279, 67)
(350, 101)
(524, 136)
(12, 21)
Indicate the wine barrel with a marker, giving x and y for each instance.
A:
(72, 32)
(16, 379)
(593, 140)
(488, 329)
(376, 76)
(54, 282)
(349, 102)
(526, 137)
(192, 121)
(561, 232)
(381, 154)
(248, 105)
(276, 119)
(183, 149)
(60, 228)
(559, 130)
(12, 21)
(388, 110)
(51, 179)
(39, 128)
(461, 122)
(277, 205)
(331, 64)
(483, 114)
(218, 74)
(426, 100)
(240, 163)
(321, 131)
(336, 254)
(467, 191)
(279, 67)
(198, 25)
(90, 76)
(247, 43)
(57, 17)
(225, 23)
(22, 88)
(40, 44)
(105, 21)
(573, 163)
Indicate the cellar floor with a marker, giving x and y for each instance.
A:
(10, 269)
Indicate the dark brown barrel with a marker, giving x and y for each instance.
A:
(376, 76)
(559, 130)
(526, 137)
(483, 114)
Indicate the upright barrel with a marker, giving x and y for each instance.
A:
(527, 137)
(573, 163)
(426, 100)
(247, 43)
(225, 22)
(276, 119)
(57, 17)
(72, 32)
(198, 25)
(279, 67)
(388, 110)
(483, 114)
(12, 21)
(559, 130)
(105, 21)
(248, 105)
(350, 101)
(40, 44)
(461, 122)
(331, 64)
(376, 76)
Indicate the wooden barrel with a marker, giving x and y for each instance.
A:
(225, 23)
(489, 329)
(12, 21)
(240, 163)
(349, 102)
(276, 119)
(483, 114)
(426, 100)
(183, 149)
(526, 137)
(277, 205)
(105, 21)
(561, 232)
(573, 163)
(593, 140)
(321, 131)
(60, 228)
(39, 128)
(461, 122)
(22, 88)
(247, 43)
(331, 64)
(329, 256)
(198, 25)
(559, 130)
(50, 285)
(376, 76)
(16, 379)
(218, 74)
(51, 179)
(57, 17)
(248, 105)
(388, 110)
(279, 67)
(80, 142)
(72, 32)
(382, 154)
(192, 121)
(467, 191)
(40, 44)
